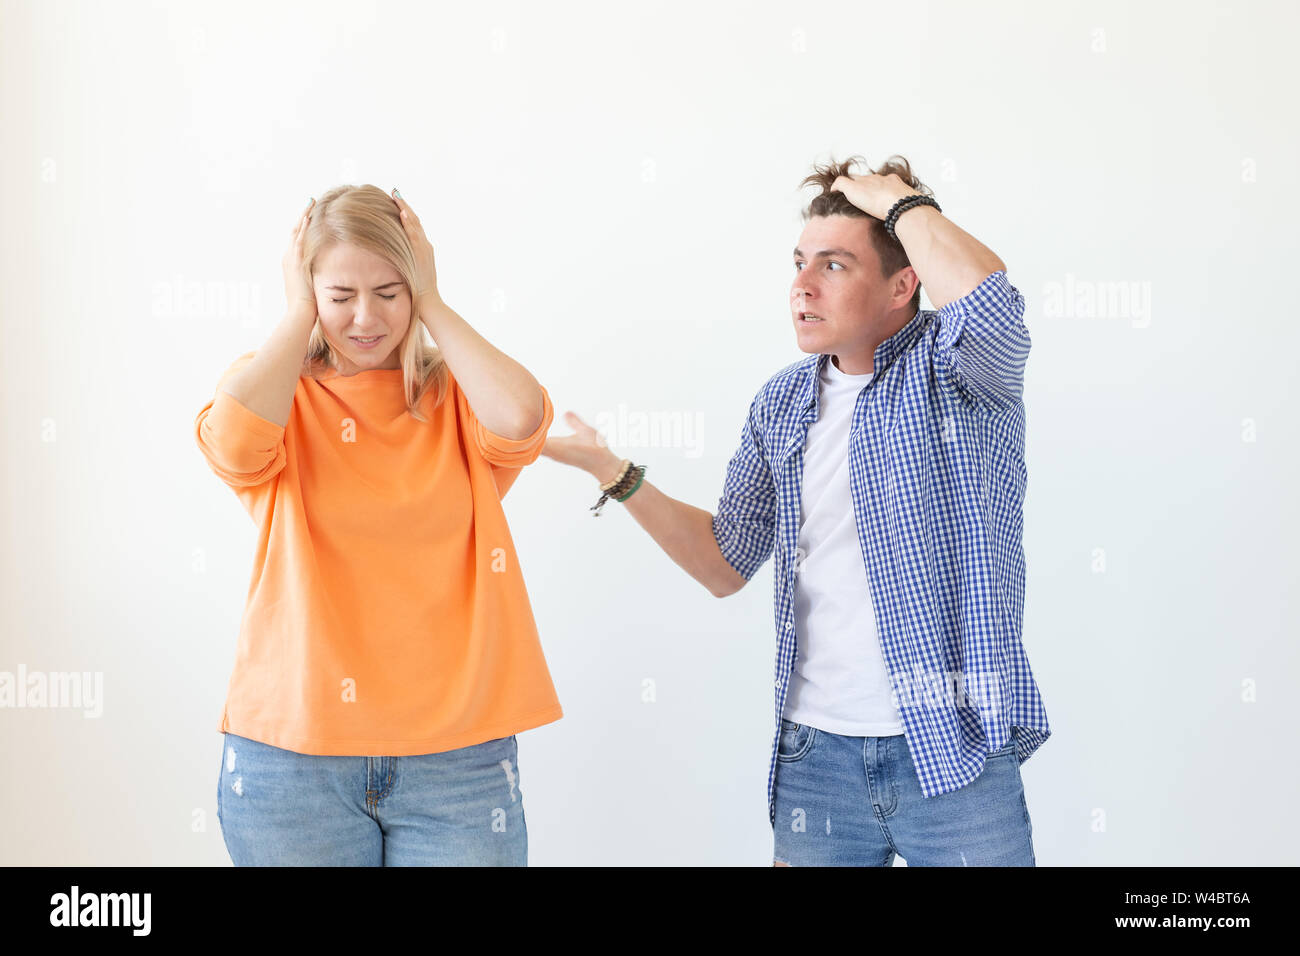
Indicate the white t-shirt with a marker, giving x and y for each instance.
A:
(840, 682)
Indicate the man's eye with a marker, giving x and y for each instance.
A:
(836, 264)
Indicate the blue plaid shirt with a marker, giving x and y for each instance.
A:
(937, 472)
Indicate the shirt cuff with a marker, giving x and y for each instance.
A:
(993, 298)
(744, 560)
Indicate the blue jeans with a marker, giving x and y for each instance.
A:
(459, 808)
(856, 801)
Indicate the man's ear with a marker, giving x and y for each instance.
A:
(906, 282)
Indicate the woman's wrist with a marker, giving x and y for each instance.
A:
(301, 313)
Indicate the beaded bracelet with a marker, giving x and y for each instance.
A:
(640, 474)
(622, 488)
(904, 204)
(624, 468)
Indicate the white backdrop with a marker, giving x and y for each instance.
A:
(612, 194)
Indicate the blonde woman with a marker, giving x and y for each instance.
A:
(387, 654)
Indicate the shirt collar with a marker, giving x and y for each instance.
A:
(885, 354)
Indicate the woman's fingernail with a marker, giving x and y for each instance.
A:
(396, 193)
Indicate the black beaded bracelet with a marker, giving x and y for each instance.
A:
(904, 204)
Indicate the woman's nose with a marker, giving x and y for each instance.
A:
(365, 318)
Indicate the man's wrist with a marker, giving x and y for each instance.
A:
(912, 222)
(608, 468)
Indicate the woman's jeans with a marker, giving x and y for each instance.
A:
(856, 801)
(459, 808)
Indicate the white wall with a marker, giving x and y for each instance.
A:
(623, 180)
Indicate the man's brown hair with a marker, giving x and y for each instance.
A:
(892, 255)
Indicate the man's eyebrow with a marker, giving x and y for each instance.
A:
(348, 288)
(827, 253)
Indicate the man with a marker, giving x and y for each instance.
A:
(886, 475)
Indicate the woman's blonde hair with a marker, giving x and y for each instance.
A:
(367, 217)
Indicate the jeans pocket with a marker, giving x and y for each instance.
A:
(1008, 748)
(794, 741)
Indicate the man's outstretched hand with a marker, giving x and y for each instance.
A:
(585, 449)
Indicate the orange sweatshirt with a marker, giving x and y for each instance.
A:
(387, 614)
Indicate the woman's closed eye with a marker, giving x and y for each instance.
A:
(381, 295)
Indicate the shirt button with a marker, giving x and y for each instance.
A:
(789, 627)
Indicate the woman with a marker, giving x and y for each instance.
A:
(387, 654)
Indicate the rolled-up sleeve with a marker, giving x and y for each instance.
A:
(242, 448)
(745, 523)
(507, 452)
(982, 339)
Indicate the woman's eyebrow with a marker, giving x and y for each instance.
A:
(347, 288)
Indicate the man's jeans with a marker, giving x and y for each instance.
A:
(856, 801)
